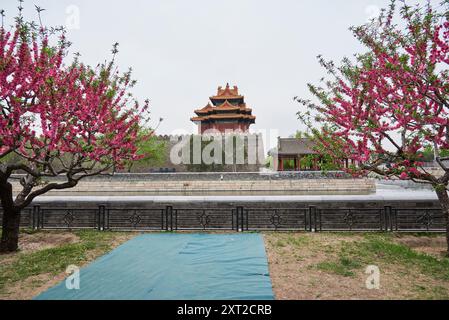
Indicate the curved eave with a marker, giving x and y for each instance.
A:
(226, 109)
(202, 112)
(227, 97)
(225, 117)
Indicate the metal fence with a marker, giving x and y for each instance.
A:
(26, 219)
(349, 219)
(169, 218)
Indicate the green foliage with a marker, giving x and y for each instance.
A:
(429, 153)
(152, 150)
(11, 158)
(300, 134)
(289, 165)
(269, 162)
(325, 162)
(49, 51)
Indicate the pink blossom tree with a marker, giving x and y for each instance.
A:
(385, 107)
(57, 119)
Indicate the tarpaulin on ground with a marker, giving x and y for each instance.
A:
(176, 266)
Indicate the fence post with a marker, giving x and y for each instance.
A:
(40, 219)
(35, 217)
(312, 219)
(169, 218)
(394, 220)
(101, 220)
(388, 218)
(239, 219)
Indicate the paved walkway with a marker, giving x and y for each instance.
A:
(176, 266)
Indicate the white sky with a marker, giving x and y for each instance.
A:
(181, 51)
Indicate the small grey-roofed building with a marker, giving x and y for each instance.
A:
(294, 146)
(290, 151)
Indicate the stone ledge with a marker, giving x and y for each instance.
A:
(364, 185)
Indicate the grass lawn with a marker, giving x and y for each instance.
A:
(45, 255)
(302, 266)
(332, 266)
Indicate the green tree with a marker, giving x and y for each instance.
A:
(151, 151)
(324, 161)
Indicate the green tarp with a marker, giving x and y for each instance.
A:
(176, 266)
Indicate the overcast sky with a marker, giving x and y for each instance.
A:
(181, 51)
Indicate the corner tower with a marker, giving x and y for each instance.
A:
(227, 111)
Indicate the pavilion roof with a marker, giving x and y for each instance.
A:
(294, 146)
(244, 107)
(227, 93)
(204, 110)
(226, 106)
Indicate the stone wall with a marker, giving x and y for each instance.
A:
(212, 183)
(171, 141)
(217, 176)
(188, 186)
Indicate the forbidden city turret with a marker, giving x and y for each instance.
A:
(227, 113)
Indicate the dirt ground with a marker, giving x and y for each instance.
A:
(427, 245)
(28, 287)
(40, 241)
(302, 266)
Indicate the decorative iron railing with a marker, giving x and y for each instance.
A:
(202, 219)
(273, 219)
(350, 219)
(131, 219)
(169, 218)
(417, 219)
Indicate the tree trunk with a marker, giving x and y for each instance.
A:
(10, 233)
(444, 202)
(11, 219)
